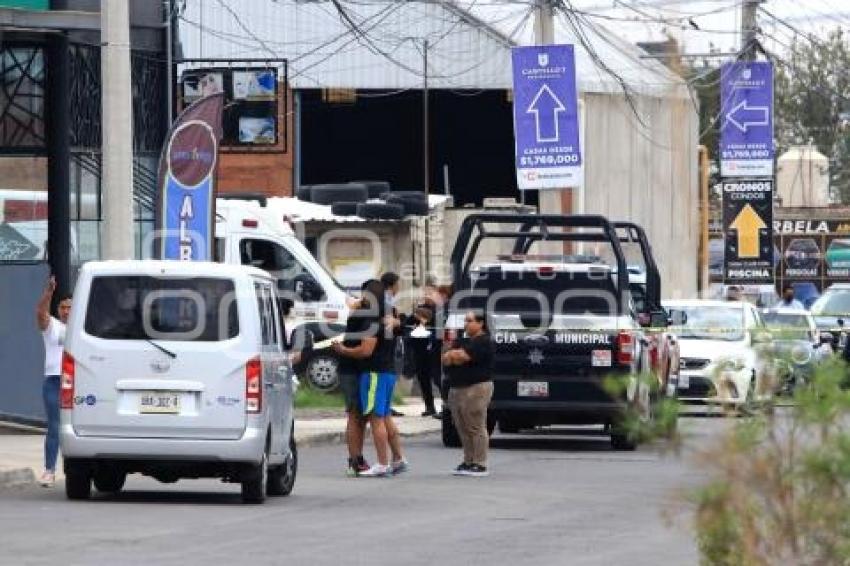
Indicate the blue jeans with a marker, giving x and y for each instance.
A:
(50, 394)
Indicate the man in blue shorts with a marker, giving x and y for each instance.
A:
(377, 380)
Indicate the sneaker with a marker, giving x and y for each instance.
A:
(429, 413)
(400, 467)
(395, 413)
(47, 479)
(376, 471)
(461, 469)
(356, 466)
(477, 471)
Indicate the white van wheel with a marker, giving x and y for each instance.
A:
(282, 478)
(255, 484)
(323, 372)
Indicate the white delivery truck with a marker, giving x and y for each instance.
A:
(249, 233)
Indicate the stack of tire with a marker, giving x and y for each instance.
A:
(372, 200)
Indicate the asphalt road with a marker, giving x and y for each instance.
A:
(551, 499)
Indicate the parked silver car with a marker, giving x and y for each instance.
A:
(176, 370)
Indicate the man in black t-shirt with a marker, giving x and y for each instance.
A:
(349, 375)
(374, 357)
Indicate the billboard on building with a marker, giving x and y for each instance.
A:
(815, 250)
(251, 109)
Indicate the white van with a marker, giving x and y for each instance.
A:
(248, 233)
(176, 370)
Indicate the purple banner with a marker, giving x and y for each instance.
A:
(546, 126)
(746, 113)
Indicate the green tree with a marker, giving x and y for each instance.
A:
(779, 491)
(812, 102)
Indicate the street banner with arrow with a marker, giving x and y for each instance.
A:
(746, 119)
(748, 228)
(546, 117)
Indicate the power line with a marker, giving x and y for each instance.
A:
(245, 28)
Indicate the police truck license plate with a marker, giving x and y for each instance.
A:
(532, 389)
(159, 402)
(601, 358)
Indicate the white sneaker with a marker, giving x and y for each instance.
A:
(377, 471)
(400, 467)
(47, 479)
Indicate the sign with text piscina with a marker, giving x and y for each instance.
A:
(748, 228)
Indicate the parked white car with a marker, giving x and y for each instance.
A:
(725, 353)
(176, 370)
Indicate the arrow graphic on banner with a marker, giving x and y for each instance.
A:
(743, 116)
(545, 106)
(747, 224)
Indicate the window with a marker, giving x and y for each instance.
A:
(711, 323)
(271, 257)
(638, 296)
(561, 294)
(142, 307)
(834, 302)
(268, 299)
(277, 260)
(262, 308)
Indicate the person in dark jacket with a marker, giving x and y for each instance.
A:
(422, 343)
(468, 368)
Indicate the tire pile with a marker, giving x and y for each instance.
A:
(371, 200)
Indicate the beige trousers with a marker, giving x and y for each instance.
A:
(469, 412)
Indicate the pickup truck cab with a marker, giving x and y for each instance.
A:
(563, 325)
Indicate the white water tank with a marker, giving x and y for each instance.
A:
(802, 177)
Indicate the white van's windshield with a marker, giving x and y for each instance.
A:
(134, 307)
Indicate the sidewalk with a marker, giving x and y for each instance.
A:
(22, 448)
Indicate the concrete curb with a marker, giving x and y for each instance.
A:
(21, 428)
(338, 437)
(16, 477)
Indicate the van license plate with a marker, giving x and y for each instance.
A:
(532, 389)
(159, 402)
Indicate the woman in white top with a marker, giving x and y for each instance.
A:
(53, 333)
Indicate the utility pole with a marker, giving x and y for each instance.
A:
(544, 22)
(749, 28)
(118, 233)
(549, 201)
(426, 157)
(169, 61)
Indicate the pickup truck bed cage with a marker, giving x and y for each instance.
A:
(628, 232)
(534, 228)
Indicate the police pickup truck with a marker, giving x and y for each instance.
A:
(561, 319)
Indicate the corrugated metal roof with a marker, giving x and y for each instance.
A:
(467, 50)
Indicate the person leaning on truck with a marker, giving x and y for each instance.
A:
(468, 368)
